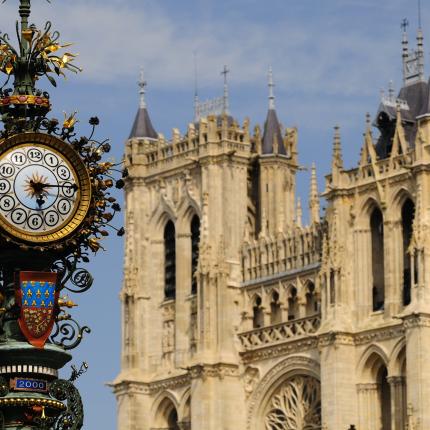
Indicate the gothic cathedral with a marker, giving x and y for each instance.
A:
(236, 316)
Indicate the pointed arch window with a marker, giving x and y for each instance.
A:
(377, 238)
(293, 305)
(332, 287)
(169, 261)
(312, 306)
(258, 314)
(275, 309)
(195, 241)
(408, 213)
(385, 398)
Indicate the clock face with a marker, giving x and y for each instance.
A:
(44, 188)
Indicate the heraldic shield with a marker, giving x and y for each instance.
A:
(38, 299)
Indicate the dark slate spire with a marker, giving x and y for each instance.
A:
(272, 136)
(142, 126)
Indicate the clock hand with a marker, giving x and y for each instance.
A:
(38, 186)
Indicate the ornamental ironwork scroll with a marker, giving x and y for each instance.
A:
(73, 417)
(68, 334)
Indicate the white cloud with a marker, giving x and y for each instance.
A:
(116, 39)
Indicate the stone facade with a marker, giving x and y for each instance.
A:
(238, 317)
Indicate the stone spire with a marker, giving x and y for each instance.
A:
(142, 126)
(272, 136)
(314, 202)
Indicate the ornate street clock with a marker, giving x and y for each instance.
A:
(45, 189)
(55, 208)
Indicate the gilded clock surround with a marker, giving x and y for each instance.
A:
(75, 164)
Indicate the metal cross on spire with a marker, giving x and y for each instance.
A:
(142, 85)
(271, 87)
(225, 72)
(404, 25)
(419, 13)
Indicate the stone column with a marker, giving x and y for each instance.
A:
(369, 413)
(184, 425)
(283, 300)
(338, 390)
(301, 302)
(218, 397)
(183, 291)
(134, 406)
(362, 275)
(266, 308)
(417, 328)
(398, 402)
(393, 267)
(247, 321)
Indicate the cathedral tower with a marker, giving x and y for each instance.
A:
(237, 315)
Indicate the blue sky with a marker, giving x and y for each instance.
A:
(330, 60)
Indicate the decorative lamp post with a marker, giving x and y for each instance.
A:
(55, 207)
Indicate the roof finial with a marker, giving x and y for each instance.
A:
(142, 85)
(391, 91)
(337, 160)
(225, 107)
(196, 89)
(405, 48)
(419, 14)
(420, 45)
(271, 92)
(368, 121)
(299, 213)
(142, 126)
(314, 204)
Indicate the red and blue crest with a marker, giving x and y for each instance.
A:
(38, 299)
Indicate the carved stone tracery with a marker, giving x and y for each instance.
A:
(296, 405)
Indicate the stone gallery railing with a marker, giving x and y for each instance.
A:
(279, 333)
(266, 257)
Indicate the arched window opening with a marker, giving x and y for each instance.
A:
(166, 417)
(332, 286)
(173, 420)
(275, 309)
(378, 410)
(408, 213)
(377, 237)
(293, 305)
(258, 319)
(312, 307)
(295, 405)
(169, 261)
(186, 416)
(195, 241)
(385, 398)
